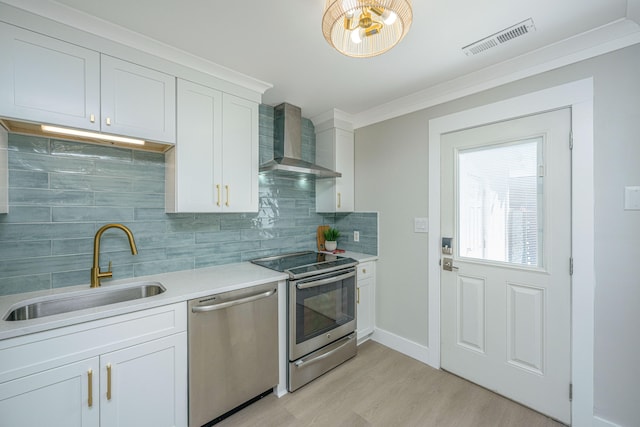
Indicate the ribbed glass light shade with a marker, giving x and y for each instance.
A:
(333, 26)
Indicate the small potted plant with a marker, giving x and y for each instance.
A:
(330, 239)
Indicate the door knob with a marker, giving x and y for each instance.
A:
(447, 264)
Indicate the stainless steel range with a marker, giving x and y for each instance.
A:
(321, 311)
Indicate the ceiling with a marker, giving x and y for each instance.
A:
(280, 42)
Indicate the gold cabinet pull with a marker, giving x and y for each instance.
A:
(364, 271)
(226, 187)
(339, 200)
(108, 121)
(218, 191)
(108, 381)
(92, 118)
(90, 383)
(358, 299)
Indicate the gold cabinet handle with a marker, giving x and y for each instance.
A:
(90, 383)
(218, 191)
(108, 120)
(339, 200)
(226, 187)
(108, 381)
(358, 298)
(364, 271)
(92, 118)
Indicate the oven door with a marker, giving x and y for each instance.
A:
(322, 309)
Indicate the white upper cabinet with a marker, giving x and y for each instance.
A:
(240, 153)
(335, 150)
(137, 101)
(214, 166)
(47, 80)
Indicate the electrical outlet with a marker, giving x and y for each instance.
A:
(356, 236)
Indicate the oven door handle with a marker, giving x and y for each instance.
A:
(220, 306)
(301, 362)
(324, 281)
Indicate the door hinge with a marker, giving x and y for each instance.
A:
(571, 266)
(570, 392)
(571, 140)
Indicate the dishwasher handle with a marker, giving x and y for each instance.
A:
(227, 304)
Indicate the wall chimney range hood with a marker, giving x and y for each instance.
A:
(287, 146)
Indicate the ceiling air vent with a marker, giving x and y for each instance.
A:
(500, 37)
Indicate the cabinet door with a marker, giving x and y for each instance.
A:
(240, 154)
(335, 150)
(55, 397)
(46, 80)
(365, 307)
(366, 299)
(137, 101)
(344, 165)
(145, 385)
(194, 166)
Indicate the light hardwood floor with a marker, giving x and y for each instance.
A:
(381, 387)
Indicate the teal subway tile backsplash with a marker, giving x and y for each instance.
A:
(29, 179)
(61, 192)
(28, 283)
(26, 214)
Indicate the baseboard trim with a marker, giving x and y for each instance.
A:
(601, 422)
(403, 345)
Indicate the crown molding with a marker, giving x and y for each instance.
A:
(608, 38)
(107, 30)
(333, 118)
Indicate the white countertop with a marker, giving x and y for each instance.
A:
(180, 286)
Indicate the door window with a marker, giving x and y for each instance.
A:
(500, 202)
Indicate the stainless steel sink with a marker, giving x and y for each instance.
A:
(64, 303)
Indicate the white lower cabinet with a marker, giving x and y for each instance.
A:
(366, 289)
(138, 385)
(119, 371)
(55, 397)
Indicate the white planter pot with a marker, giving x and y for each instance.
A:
(330, 245)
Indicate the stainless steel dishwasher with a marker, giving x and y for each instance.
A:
(233, 350)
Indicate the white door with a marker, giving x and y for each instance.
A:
(505, 284)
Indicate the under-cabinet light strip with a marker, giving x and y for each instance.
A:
(82, 133)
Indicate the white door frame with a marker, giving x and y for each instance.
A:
(579, 96)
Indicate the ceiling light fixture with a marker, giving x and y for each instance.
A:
(92, 135)
(365, 28)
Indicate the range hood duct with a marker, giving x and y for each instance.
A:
(287, 146)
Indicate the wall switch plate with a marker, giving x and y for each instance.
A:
(421, 225)
(356, 236)
(631, 198)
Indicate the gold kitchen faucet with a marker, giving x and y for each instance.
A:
(96, 274)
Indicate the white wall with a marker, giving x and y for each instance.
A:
(392, 178)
